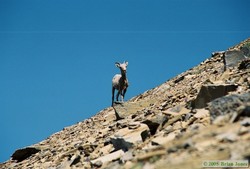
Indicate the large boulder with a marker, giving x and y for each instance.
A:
(229, 105)
(233, 57)
(210, 92)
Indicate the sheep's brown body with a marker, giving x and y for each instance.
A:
(120, 82)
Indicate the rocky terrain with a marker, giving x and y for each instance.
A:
(202, 114)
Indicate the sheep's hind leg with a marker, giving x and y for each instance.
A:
(123, 94)
(117, 95)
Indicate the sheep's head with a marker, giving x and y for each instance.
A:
(122, 66)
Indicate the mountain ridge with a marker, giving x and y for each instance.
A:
(201, 114)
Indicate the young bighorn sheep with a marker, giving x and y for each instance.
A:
(120, 82)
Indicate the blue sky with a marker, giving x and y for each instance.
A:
(57, 57)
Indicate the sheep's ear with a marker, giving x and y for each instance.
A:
(117, 64)
(126, 63)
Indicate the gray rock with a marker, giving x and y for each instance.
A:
(210, 92)
(246, 51)
(232, 58)
(229, 105)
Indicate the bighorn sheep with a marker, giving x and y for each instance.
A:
(120, 82)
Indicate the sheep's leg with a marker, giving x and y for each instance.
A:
(113, 93)
(117, 95)
(123, 94)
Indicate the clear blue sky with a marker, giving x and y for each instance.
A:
(57, 57)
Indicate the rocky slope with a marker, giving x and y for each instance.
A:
(202, 114)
